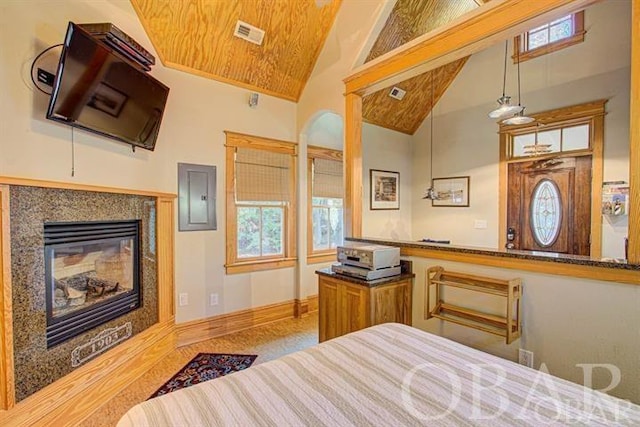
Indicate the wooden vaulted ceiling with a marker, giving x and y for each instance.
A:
(408, 20)
(196, 36)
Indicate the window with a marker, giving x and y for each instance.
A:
(561, 140)
(550, 37)
(260, 188)
(325, 229)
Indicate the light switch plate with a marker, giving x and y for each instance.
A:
(480, 224)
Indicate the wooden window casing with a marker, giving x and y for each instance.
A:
(317, 256)
(522, 53)
(234, 263)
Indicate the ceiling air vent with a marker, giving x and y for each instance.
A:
(249, 33)
(397, 93)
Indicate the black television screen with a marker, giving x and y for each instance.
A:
(98, 90)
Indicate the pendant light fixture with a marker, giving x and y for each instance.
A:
(505, 109)
(519, 118)
(431, 193)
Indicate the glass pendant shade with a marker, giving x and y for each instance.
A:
(518, 119)
(505, 109)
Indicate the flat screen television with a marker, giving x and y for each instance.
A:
(98, 90)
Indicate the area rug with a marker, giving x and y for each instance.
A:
(205, 367)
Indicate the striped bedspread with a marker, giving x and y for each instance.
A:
(386, 375)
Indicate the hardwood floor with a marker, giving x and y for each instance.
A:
(268, 342)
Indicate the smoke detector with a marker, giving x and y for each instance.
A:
(397, 93)
(249, 33)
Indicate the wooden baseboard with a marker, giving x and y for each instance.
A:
(74, 397)
(217, 326)
(313, 303)
(302, 307)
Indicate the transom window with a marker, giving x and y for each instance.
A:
(550, 37)
(560, 140)
(260, 188)
(325, 228)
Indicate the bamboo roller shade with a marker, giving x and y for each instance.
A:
(327, 179)
(262, 176)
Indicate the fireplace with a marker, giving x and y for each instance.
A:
(92, 275)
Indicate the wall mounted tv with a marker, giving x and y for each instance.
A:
(98, 90)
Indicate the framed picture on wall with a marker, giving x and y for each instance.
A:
(385, 189)
(453, 191)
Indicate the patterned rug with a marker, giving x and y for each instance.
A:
(205, 367)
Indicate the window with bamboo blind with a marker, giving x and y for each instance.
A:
(325, 196)
(260, 208)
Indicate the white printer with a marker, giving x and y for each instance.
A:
(368, 262)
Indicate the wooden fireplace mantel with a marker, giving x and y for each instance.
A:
(75, 396)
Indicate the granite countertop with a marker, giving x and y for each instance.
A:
(368, 283)
(506, 253)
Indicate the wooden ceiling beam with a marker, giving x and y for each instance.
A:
(493, 22)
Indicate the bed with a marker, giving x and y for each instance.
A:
(386, 375)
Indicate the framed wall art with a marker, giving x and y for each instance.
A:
(385, 189)
(453, 191)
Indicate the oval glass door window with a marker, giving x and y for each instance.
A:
(546, 213)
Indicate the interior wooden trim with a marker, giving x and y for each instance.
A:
(83, 187)
(234, 265)
(353, 166)
(224, 324)
(474, 31)
(165, 244)
(303, 307)
(324, 153)
(235, 139)
(309, 204)
(544, 267)
(74, 397)
(260, 265)
(7, 384)
(232, 82)
(321, 257)
(634, 137)
(314, 152)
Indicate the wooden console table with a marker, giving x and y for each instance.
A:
(347, 304)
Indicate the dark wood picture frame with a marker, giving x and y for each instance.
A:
(384, 190)
(452, 191)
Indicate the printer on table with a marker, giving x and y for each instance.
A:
(368, 262)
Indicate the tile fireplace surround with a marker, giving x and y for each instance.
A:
(35, 365)
(60, 385)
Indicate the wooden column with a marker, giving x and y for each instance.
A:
(353, 165)
(7, 394)
(634, 139)
(165, 224)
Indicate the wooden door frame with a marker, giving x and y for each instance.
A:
(590, 112)
(493, 22)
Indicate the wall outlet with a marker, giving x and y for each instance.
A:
(525, 357)
(480, 224)
(183, 299)
(213, 299)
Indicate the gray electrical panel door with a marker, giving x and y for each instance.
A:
(196, 197)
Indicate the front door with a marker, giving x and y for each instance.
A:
(549, 205)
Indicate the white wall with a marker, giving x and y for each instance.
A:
(466, 141)
(197, 112)
(388, 150)
(355, 24)
(566, 321)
